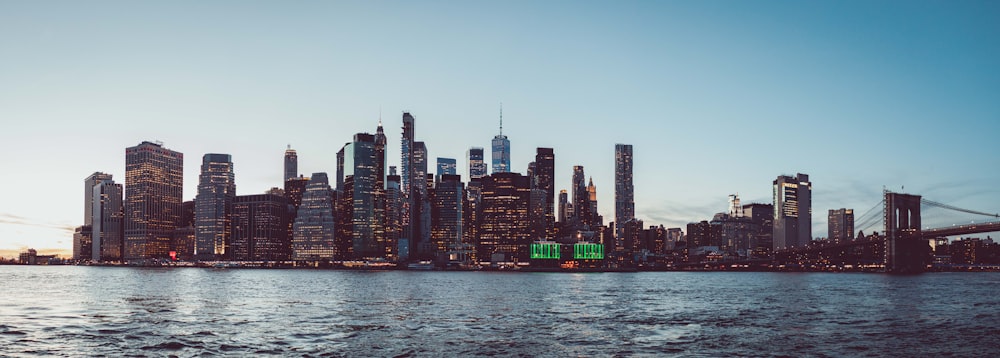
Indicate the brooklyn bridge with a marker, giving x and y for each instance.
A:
(902, 246)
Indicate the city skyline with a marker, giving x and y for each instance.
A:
(907, 104)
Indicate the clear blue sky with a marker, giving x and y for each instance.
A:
(717, 97)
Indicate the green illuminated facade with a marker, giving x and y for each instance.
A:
(587, 251)
(545, 251)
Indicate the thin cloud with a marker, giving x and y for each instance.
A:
(11, 219)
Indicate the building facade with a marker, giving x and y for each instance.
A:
(313, 230)
(260, 228)
(792, 211)
(213, 206)
(504, 232)
(624, 189)
(291, 164)
(840, 225)
(154, 188)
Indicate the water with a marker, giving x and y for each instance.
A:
(93, 311)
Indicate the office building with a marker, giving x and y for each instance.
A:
(108, 223)
(213, 206)
(792, 211)
(477, 165)
(291, 164)
(362, 231)
(88, 195)
(154, 188)
(447, 214)
(624, 189)
(260, 228)
(446, 166)
(840, 225)
(313, 230)
(543, 178)
(504, 232)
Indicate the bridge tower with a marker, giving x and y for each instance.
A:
(905, 251)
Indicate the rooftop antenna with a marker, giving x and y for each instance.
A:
(501, 118)
(379, 115)
(289, 146)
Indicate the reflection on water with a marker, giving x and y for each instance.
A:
(139, 311)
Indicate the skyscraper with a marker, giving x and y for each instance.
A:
(544, 179)
(504, 233)
(582, 215)
(595, 219)
(564, 207)
(477, 166)
(154, 188)
(501, 149)
(213, 206)
(446, 209)
(394, 221)
(313, 238)
(420, 218)
(107, 231)
(624, 190)
(291, 163)
(364, 234)
(260, 228)
(446, 166)
(792, 211)
(840, 225)
(88, 195)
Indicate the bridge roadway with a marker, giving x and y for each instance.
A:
(961, 230)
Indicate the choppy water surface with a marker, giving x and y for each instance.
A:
(86, 311)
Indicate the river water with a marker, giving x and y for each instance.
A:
(117, 311)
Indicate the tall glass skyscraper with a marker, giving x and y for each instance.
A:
(88, 195)
(477, 166)
(213, 206)
(364, 234)
(544, 179)
(154, 188)
(446, 208)
(291, 164)
(501, 150)
(108, 221)
(792, 211)
(313, 230)
(624, 190)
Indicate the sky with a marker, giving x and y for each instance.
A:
(716, 97)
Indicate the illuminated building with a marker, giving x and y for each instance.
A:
(624, 190)
(291, 164)
(260, 228)
(504, 233)
(446, 209)
(792, 211)
(840, 225)
(564, 207)
(501, 150)
(581, 205)
(596, 219)
(394, 217)
(213, 207)
(762, 217)
(420, 218)
(361, 208)
(154, 188)
(107, 235)
(446, 166)
(536, 213)
(82, 243)
(543, 177)
(313, 231)
(294, 188)
(477, 166)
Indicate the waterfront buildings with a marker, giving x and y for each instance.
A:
(108, 220)
(447, 198)
(624, 189)
(361, 209)
(213, 206)
(792, 211)
(154, 184)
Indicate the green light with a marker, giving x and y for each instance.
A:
(546, 251)
(588, 251)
